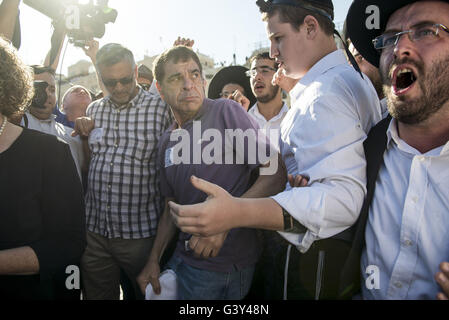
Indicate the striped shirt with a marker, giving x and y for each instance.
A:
(123, 198)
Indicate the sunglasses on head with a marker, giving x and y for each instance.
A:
(111, 83)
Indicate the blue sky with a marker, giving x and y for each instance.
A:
(220, 28)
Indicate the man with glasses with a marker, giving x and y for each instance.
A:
(123, 201)
(269, 110)
(403, 231)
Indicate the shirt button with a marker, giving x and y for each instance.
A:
(112, 164)
(408, 243)
(398, 285)
(415, 199)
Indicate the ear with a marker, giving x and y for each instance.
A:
(312, 26)
(136, 72)
(158, 87)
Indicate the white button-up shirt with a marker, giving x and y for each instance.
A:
(407, 233)
(50, 126)
(322, 137)
(272, 127)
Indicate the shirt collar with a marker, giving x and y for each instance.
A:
(49, 120)
(255, 112)
(328, 62)
(394, 139)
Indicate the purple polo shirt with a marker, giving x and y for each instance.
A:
(190, 154)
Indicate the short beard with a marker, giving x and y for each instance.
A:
(434, 86)
(270, 96)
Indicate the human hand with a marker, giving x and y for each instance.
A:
(298, 181)
(150, 274)
(91, 49)
(442, 279)
(210, 217)
(83, 127)
(184, 42)
(207, 247)
(240, 98)
(284, 82)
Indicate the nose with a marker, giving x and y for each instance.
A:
(274, 52)
(188, 83)
(404, 46)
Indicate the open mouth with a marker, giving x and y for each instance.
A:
(403, 80)
(259, 86)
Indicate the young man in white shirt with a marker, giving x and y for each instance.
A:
(269, 110)
(322, 138)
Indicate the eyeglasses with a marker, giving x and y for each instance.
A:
(422, 33)
(111, 83)
(262, 70)
(145, 86)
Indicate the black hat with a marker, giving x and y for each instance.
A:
(232, 74)
(326, 6)
(358, 24)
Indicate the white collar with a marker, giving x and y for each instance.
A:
(255, 112)
(393, 137)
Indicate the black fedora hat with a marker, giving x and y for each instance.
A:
(232, 74)
(360, 29)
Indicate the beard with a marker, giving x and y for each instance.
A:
(269, 96)
(434, 86)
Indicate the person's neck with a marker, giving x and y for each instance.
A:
(426, 136)
(10, 134)
(181, 118)
(271, 109)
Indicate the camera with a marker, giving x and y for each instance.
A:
(40, 94)
(91, 18)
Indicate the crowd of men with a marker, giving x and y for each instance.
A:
(342, 193)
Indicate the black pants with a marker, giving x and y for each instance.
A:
(311, 276)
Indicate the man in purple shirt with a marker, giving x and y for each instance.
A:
(218, 141)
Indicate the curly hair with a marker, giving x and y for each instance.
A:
(16, 81)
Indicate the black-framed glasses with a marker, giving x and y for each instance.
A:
(424, 32)
(145, 86)
(111, 83)
(265, 70)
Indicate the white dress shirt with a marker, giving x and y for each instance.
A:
(407, 233)
(272, 127)
(50, 126)
(322, 137)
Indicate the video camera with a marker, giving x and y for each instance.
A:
(40, 94)
(92, 17)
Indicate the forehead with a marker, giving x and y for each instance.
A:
(262, 63)
(274, 25)
(420, 11)
(119, 70)
(232, 87)
(172, 68)
(47, 77)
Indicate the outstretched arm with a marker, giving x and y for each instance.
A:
(8, 16)
(222, 212)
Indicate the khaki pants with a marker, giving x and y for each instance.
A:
(101, 263)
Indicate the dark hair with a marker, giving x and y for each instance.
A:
(145, 72)
(263, 55)
(296, 15)
(113, 53)
(16, 81)
(39, 69)
(175, 54)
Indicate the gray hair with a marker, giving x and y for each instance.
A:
(114, 53)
